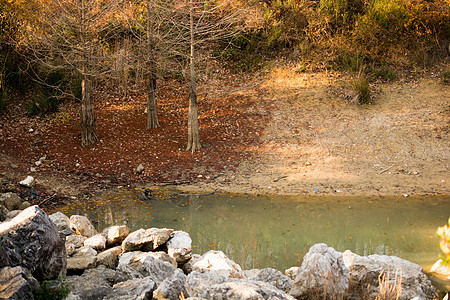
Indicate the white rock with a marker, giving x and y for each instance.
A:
(28, 182)
(62, 222)
(97, 242)
(116, 234)
(219, 263)
(85, 251)
(82, 226)
(179, 246)
(441, 269)
(322, 273)
(146, 239)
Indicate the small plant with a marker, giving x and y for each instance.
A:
(443, 233)
(62, 117)
(445, 77)
(389, 290)
(52, 290)
(362, 88)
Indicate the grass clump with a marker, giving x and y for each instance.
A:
(361, 87)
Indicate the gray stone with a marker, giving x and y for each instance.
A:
(116, 234)
(146, 265)
(179, 246)
(32, 240)
(274, 277)
(12, 214)
(4, 259)
(62, 222)
(139, 169)
(82, 226)
(79, 264)
(85, 251)
(3, 212)
(213, 286)
(109, 257)
(187, 267)
(76, 240)
(92, 284)
(196, 281)
(11, 201)
(367, 272)
(16, 283)
(218, 262)
(24, 205)
(146, 239)
(172, 287)
(139, 289)
(164, 257)
(322, 274)
(97, 242)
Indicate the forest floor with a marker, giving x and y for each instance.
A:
(275, 132)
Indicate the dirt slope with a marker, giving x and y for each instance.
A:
(318, 142)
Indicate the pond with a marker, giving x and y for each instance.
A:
(277, 231)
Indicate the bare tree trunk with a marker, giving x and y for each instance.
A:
(152, 116)
(193, 132)
(88, 136)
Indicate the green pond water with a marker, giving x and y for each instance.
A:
(277, 231)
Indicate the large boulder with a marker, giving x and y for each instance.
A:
(139, 289)
(82, 226)
(146, 265)
(218, 262)
(16, 283)
(11, 201)
(179, 246)
(214, 286)
(146, 239)
(371, 275)
(32, 240)
(322, 274)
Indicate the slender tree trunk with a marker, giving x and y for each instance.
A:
(193, 131)
(88, 135)
(152, 116)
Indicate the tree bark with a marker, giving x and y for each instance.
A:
(152, 116)
(88, 136)
(193, 131)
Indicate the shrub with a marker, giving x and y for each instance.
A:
(285, 22)
(52, 290)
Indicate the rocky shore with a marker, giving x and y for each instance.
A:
(66, 256)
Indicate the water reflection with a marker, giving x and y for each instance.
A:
(277, 231)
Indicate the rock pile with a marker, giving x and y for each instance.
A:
(158, 263)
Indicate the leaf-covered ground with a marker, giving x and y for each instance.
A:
(280, 131)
